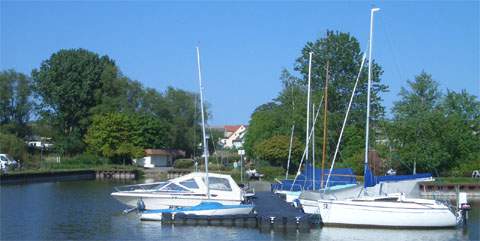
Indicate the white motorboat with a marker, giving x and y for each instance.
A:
(185, 191)
(196, 193)
(207, 208)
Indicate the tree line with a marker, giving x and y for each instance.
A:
(85, 104)
(428, 130)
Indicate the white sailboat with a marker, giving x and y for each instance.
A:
(392, 210)
(215, 203)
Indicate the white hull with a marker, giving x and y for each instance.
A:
(155, 201)
(213, 212)
(309, 199)
(386, 214)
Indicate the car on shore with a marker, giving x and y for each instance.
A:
(7, 161)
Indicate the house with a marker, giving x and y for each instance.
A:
(159, 158)
(234, 136)
(39, 142)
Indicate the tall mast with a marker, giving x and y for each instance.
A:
(308, 104)
(324, 154)
(290, 151)
(205, 147)
(313, 148)
(372, 11)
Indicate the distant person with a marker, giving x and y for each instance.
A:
(476, 174)
(235, 165)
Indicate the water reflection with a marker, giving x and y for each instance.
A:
(334, 233)
(84, 210)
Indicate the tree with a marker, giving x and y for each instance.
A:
(13, 145)
(342, 53)
(275, 150)
(264, 124)
(432, 132)
(120, 136)
(182, 110)
(416, 119)
(15, 102)
(69, 84)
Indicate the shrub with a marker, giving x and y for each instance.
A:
(465, 169)
(79, 161)
(183, 163)
(13, 146)
(271, 172)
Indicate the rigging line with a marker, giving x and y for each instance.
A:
(345, 121)
(306, 144)
(210, 130)
(195, 126)
(213, 144)
(390, 46)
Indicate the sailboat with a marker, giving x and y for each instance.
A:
(390, 210)
(307, 180)
(210, 206)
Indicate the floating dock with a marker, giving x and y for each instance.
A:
(271, 212)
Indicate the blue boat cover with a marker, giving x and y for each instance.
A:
(370, 180)
(340, 176)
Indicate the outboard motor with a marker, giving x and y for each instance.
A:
(140, 205)
(463, 206)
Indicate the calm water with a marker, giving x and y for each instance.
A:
(84, 210)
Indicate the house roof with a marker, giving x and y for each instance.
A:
(232, 128)
(164, 152)
(157, 152)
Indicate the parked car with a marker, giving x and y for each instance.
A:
(7, 161)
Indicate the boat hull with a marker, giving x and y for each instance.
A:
(218, 210)
(385, 214)
(153, 201)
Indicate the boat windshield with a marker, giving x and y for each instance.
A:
(190, 183)
(174, 187)
(218, 183)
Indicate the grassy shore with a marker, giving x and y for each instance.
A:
(457, 180)
(61, 169)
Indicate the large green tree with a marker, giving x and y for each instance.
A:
(432, 132)
(182, 109)
(15, 102)
(69, 84)
(342, 53)
(120, 136)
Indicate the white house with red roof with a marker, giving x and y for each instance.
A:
(234, 136)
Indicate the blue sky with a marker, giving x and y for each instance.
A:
(244, 45)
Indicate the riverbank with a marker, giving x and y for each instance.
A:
(46, 175)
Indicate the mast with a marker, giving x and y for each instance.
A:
(367, 125)
(313, 149)
(290, 151)
(308, 104)
(324, 154)
(205, 147)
